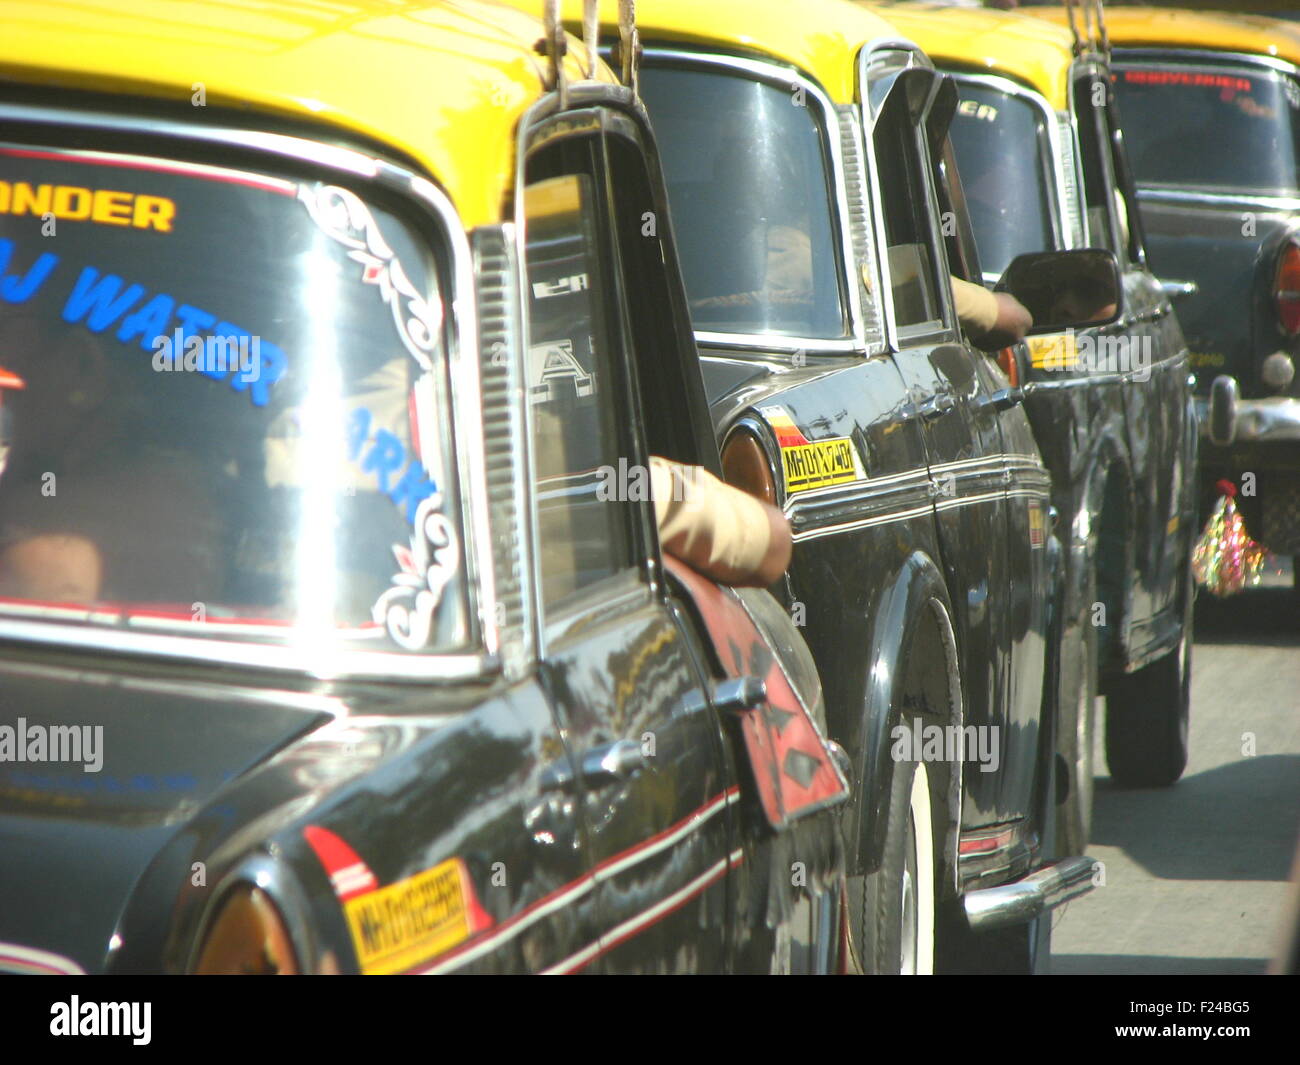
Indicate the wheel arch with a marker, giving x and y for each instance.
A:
(913, 617)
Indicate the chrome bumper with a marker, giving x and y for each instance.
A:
(1226, 419)
(1018, 903)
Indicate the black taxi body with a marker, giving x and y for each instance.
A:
(1212, 106)
(1044, 166)
(325, 644)
(807, 164)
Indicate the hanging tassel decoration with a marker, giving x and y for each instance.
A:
(1225, 559)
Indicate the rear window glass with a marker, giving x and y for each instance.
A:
(1213, 126)
(750, 189)
(1004, 157)
(223, 408)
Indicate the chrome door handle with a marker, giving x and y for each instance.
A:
(1002, 399)
(739, 694)
(601, 766)
(936, 407)
(1179, 289)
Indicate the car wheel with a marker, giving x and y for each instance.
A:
(1147, 720)
(1079, 655)
(893, 907)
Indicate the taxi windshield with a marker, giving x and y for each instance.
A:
(1004, 156)
(749, 184)
(223, 406)
(1216, 126)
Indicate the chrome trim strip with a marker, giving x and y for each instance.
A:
(776, 343)
(325, 664)
(190, 687)
(29, 961)
(857, 191)
(817, 532)
(962, 501)
(892, 484)
(462, 356)
(1159, 193)
(786, 77)
(916, 334)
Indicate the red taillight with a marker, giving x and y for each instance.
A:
(1286, 289)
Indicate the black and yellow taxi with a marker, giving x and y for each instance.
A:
(1044, 166)
(819, 223)
(335, 635)
(1211, 106)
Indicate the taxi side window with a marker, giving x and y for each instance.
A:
(908, 236)
(585, 532)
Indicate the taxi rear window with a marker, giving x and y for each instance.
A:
(223, 407)
(1215, 126)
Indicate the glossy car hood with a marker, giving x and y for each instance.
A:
(75, 840)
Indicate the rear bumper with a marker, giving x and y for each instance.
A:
(1265, 421)
(1036, 894)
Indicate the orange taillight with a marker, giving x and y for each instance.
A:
(1010, 367)
(745, 465)
(248, 937)
(1286, 289)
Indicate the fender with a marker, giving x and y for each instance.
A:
(916, 598)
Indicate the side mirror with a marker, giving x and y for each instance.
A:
(1066, 289)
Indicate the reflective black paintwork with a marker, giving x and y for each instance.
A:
(917, 585)
(213, 774)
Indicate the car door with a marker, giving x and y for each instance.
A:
(962, 440)
(644, 746)
(1143, 352)
(1027, 495)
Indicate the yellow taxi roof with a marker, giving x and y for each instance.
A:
(1132, 27)
(819, 37)
(999, 42)
(444, 82)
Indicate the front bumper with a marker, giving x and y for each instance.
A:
(1036, 894)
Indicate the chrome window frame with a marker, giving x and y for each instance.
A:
(1057, 193)
(785, 77)
(24, 122)
(1172, 57)
(1089, 66)
(916, 58)
(634, 586)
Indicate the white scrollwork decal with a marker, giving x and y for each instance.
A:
(407, 608)
(343, 217)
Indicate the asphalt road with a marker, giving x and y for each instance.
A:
(1196, 875)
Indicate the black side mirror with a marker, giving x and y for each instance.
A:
(1066, 289)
